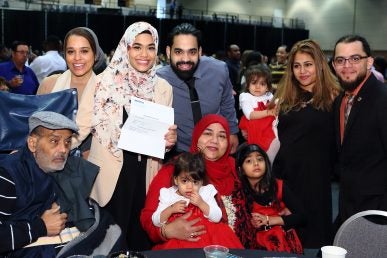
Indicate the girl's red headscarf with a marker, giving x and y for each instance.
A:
(221, 173)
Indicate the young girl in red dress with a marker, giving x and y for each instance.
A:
(190, 191)
(257, 121)
(266, 199)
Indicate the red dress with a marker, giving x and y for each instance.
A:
(275, 238)
(221, 173)
(217, 234)
(259, 131)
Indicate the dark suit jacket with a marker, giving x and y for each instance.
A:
(362, 156)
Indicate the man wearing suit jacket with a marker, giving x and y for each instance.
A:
(361, 129)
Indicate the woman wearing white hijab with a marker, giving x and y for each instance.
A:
(124, 176)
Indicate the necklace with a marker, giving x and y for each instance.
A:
(305, 103)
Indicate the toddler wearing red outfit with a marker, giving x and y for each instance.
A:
(191, 193)
(258, 123)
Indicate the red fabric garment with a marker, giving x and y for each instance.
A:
(259, 131)
(242, 226)
(162, 179)
(202, 125)
(221, 174)
(276, 238)
(217, 233)
(243, 123)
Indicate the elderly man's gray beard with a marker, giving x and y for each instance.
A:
(46, 163)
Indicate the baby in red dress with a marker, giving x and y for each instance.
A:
(191, 193)
(258, 123)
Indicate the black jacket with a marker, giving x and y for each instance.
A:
(362, 155)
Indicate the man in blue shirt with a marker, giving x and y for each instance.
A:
(21, 79)
(211, 82)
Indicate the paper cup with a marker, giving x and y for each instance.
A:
(331, 251)
(20, 78)
(215, 251)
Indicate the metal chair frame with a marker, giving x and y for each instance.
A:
(364, 240)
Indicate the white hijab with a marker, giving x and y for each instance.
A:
(117, 84)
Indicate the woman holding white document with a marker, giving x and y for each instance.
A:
(124, 176)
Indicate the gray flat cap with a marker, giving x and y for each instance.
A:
(51, 120)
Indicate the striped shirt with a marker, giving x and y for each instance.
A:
(15, 234)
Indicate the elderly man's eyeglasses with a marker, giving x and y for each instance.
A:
(355, 59)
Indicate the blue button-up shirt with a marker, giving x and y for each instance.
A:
(30, 83)
(214, 89)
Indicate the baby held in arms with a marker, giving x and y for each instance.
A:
(190, 192)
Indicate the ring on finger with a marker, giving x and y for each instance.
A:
(192, 235)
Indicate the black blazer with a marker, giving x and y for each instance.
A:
(362, 156)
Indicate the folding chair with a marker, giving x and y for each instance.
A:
(364, 234)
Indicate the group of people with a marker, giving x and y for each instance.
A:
(309, 114)
(274, 194)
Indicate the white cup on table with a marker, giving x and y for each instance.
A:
(331, 251)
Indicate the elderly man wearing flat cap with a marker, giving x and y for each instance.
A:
(42, 189)
(28, 207)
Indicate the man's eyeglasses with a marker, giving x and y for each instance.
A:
(22, 52)
(355, 59)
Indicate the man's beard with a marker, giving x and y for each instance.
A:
(351, 85)
(46, 164)
(186, 74)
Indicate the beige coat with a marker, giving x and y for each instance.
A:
(110, 166)
(58, 82)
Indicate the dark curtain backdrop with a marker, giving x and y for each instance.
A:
(33, 26)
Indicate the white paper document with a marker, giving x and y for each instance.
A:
(145, 128)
